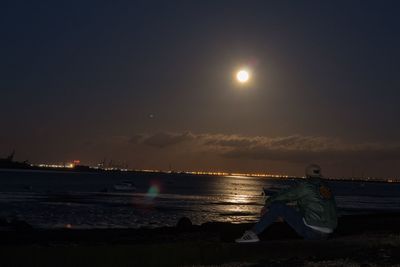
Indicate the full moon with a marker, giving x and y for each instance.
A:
(242, 76)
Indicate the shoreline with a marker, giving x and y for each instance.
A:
(348, 225)
(359, 238)
(89, 170)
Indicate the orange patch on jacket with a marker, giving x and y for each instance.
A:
(325, 192)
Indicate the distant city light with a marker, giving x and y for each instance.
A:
(57, 166)
(155, 187)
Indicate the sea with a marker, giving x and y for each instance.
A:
(87, 200)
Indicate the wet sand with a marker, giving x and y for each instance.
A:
(363, 240)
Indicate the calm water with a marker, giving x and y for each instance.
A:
(88, 200)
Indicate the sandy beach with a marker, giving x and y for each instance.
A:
(362, 240)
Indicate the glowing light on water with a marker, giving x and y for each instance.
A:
(238, 199)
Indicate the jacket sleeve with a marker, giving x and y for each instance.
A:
(287, 195)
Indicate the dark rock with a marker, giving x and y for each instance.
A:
(15, 224)
(21, 226)
(184, 224)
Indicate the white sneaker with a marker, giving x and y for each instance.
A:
(248, 237)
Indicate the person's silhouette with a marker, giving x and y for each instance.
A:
(312, 215)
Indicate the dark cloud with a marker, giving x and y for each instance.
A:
(303, 153)
(137, 138)
(228, 141)
(164, 139)
(293, 149)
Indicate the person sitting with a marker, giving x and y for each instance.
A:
(313, 215)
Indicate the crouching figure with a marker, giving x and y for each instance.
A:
(311, 211)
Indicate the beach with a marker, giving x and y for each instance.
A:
(67, 219)
(49, 200)
(360, 240)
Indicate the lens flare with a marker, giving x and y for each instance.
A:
(154, 189)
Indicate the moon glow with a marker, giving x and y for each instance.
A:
(242, 76)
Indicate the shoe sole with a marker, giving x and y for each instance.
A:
(247, 241)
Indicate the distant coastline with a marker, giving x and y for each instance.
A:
(8, 163)
(87, 169)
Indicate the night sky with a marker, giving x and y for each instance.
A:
(151, 84)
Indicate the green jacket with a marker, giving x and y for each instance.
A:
(313, 199)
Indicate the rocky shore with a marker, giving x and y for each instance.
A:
(362, 240)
